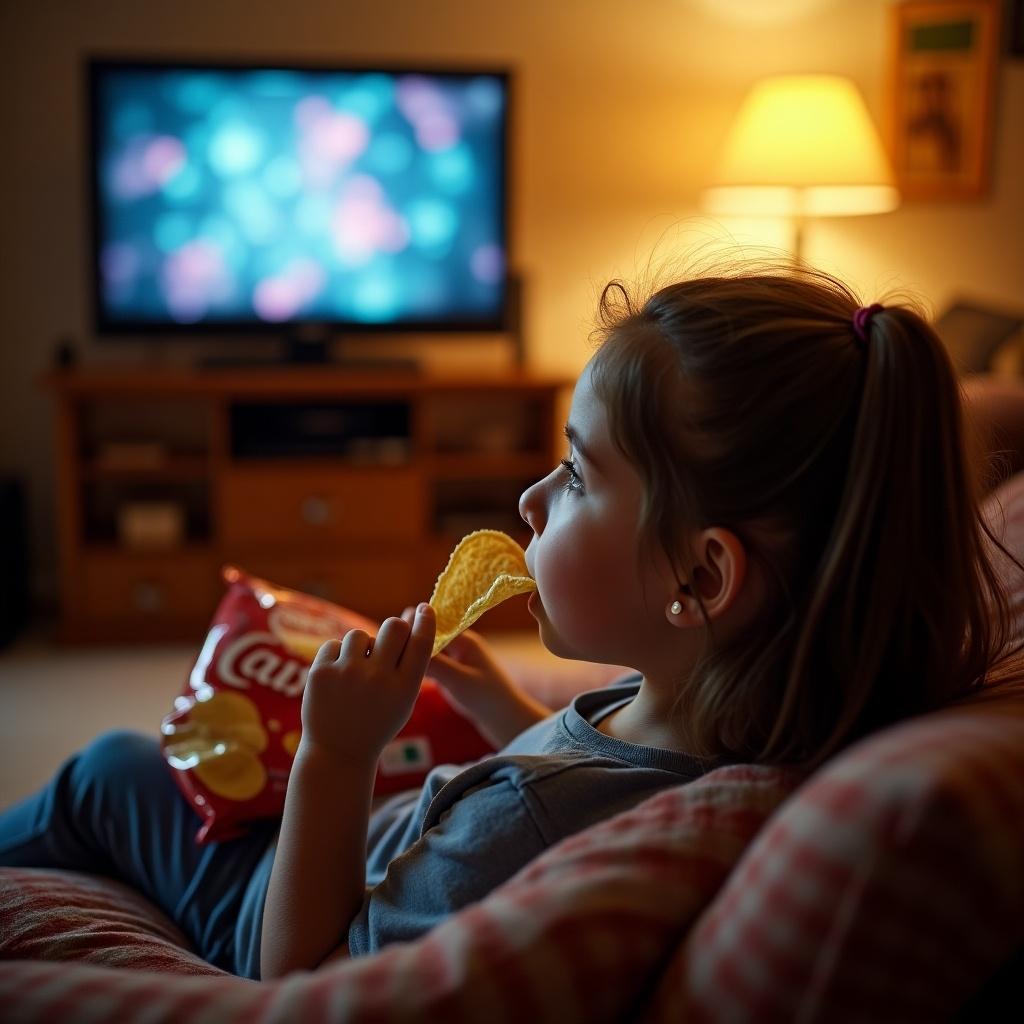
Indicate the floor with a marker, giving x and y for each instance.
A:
(54, 699)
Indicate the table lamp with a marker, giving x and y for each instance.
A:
(802, 146)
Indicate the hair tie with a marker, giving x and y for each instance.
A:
(862, 320)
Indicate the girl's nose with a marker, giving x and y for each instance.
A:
(531, 506)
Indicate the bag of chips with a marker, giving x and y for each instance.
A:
(232, 736)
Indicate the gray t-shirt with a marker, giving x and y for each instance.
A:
(432, 851)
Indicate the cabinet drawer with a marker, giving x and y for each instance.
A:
(287, 506)
(165, 586)
(372, 586)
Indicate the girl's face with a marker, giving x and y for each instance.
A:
(597, 599)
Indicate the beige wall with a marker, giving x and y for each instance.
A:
(620, 110)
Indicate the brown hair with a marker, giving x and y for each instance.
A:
(746, 401)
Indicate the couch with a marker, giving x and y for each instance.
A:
(887, 886)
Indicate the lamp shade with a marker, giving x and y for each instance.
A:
(803, 145)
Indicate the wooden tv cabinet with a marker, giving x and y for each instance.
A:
(354, 487)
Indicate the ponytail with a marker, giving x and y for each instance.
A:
(905, 608)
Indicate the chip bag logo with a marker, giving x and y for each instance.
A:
(255, 658)
(232, 736)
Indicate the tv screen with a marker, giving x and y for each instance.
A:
(245, 197)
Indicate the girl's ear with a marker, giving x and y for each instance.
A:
(718, 575)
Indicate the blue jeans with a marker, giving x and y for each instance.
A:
(113, 809)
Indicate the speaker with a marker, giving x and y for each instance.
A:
(14, 593)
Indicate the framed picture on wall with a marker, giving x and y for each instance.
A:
(942, 91)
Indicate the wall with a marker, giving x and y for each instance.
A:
(620, 111)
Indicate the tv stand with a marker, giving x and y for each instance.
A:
(353, 486)
(307, 344)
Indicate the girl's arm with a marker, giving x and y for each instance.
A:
(316, 884)
(353, 704)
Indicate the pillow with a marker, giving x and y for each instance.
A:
(62, 915)
(889, 888)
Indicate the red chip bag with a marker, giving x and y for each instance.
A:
(234, 730)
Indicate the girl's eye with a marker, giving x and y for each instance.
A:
(573, 482)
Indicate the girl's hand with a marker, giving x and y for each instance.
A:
(360, 691)
(477, 685)
(469, 672)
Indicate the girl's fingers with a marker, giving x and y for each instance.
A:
(446, 669)
(469, 648)
(416, 655)
(328, 652)
(355, 645)
(390, 642)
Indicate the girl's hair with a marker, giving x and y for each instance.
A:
(746, 401)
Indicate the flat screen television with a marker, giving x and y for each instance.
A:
(263, 197)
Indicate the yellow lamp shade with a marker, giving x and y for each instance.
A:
(803, 145)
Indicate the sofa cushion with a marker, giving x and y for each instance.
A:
(581, 934)
(63, 915)
(889, 888)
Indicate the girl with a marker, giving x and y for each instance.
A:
(767, 509)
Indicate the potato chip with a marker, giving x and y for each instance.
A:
(226, 717)
(486, 568)
(220, 741)
(235, 774)
(290, 741)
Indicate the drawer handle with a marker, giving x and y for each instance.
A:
(148, 597)
(315, 511)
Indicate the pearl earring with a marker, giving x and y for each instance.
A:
(675, 608)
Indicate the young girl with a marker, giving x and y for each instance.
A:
(767, 509)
